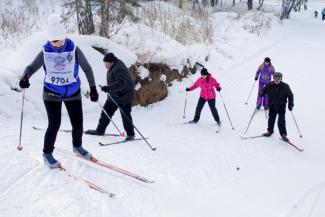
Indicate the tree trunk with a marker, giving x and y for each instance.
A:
(84, 17)
(104, 14)
(260, 6)
(180, 4)
(250, 4)
(287, 9)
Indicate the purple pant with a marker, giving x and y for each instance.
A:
(262, 100)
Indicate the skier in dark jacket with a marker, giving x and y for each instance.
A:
(278, 93)
(315, 14)
(121, 88)
(60, 59)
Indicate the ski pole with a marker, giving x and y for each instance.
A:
(226, 111)
(121, 133)
(185, 105)
(110, 119)
(251, 119)
(122, 112)
(296, 124)
(20, 147)
(250, 93)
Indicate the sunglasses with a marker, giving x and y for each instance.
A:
(276, 78)
(55, 41)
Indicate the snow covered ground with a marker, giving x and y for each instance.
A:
(194, 168)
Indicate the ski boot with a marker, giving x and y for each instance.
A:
(50, 161)
(80, 151)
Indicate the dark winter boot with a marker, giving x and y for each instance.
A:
(267, 134)
(284, 137)
(129, 138)
(50, 161)
(94, 132)
(192, 122)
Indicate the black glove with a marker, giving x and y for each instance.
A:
(188, 89)
(24, 83)
(218, 89)
(93, 94)
(105, 89)
(290, 107)
(256, 78)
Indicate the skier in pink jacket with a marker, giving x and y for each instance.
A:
(207, 83)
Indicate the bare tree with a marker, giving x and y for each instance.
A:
(260, 5)
(104, 14)
(84, 17)
(287, 6)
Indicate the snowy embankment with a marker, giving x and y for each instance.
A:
(195, 169)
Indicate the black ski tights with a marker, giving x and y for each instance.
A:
(53, 110)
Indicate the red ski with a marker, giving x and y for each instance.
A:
(293, 145)
(89, 183)
(106, 165)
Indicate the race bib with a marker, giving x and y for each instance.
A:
(59, 68)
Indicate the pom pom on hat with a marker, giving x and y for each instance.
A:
(55, 29)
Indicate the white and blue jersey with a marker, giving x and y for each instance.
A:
(61, 69)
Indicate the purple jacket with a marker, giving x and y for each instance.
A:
(265, 72)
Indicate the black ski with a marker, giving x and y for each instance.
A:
(293, 145)
(118, 142)
(251, 137)
(69, 131)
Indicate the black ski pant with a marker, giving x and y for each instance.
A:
(110, 108)
(281, 120)
(53, 110)
(212, 105)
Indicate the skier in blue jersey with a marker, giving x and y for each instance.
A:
(61, 59)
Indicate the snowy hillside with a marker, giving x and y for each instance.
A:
(197, 172)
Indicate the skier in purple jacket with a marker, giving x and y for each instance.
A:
(264, 73)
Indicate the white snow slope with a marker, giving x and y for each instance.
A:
(194, 168)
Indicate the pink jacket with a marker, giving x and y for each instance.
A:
(207, 87)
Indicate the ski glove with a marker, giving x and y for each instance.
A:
(24, 83)
(188, 89)
(290, 107)
(256, 78)
(218, 89)
(105, 89)
(93, 94)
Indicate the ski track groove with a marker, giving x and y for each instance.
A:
(18, 181)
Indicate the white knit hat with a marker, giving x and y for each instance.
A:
(55, 29)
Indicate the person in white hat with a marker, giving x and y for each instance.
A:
(61, 59)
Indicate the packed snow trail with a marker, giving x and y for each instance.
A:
(194, 168)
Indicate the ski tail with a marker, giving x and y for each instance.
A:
(251, 137)
(107, 166)
(293, 145)
(89, 183)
